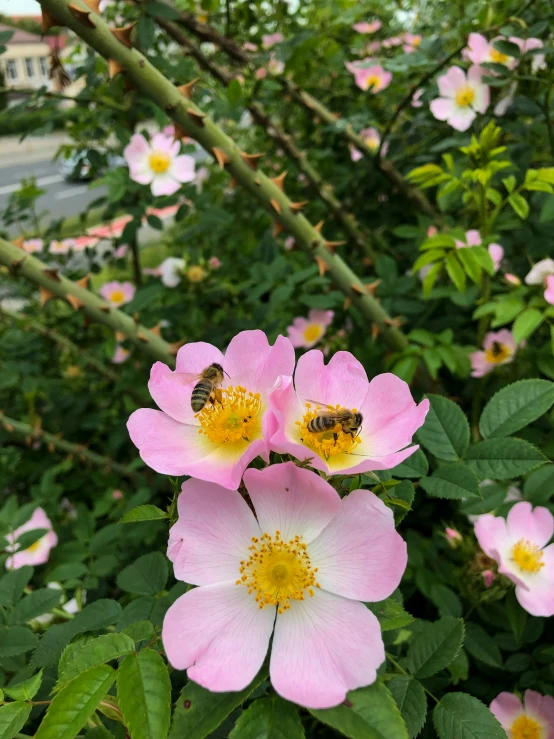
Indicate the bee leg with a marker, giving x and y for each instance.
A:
(217, 397)
(336, 430)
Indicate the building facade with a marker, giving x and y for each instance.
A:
(25, 61)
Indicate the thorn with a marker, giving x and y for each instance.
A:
(83, 16)
(322, 265)
(257, 181)
(124, 34)
(375, 331)
(136, 318)
(94, 5)
(187, 89)
(357, 288)
(180, 133)
(16, 264)
(174, 348)
(277, 228)
(53, 274)
(104, 308)
(120, 336)
(45, 296)
(279, 181)
(74, 302)
(276, 205)
(142, 337)
(332, 245)
(233, 182)
(251, 159)
(18, 242)
(221, 156)
(318, 226)
(83, 282)
(297, 207)
(395, 322)
(372, 286)
(156, 330)
(48, 21)
(198, 118)
(347, 303)
(114, 68)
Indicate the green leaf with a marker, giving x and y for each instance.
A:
(16, 640)
(519, 204)
(470, 263)
(446, 600)
(452, 481)
(456, 272)
(140, 630)
(26, 690)
(526, 323)
(144, 694)
(12, 719)
(435, 646)
(199, 712)
(516, 406)
(461, 716)
(410, 699)
(503, 458)
(391, 614)
(29, 538)
(367, 713)
(481, 646)
(507, 47)
(75, 704)
(33, 605)
(68, 571)
(415, 466)
(144, 513)
(13, 584)
(146, 576)
(445, 432)
(161, 10)
(79, 657)
(269, 718)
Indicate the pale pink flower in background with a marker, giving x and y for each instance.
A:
(297, 568)
(110, 230)
(37, 553)
(219, 442)
(432, 231)
(171, 271)
(271, 39)
(531, 719)
(497, 255)
(518, 545)
(61, 247)
(416, 98)
(412, 42)
(289, 243)
(512, 279)
(549, 292)
(275, 66)
(488, 577)
(542, 273)
(461, 97)
(260, 73)
(120, 355)
(504, 102)
(202, 174)
(373, 48)
(121, 251)
(83, 242)
(248, 46)
(389, 43)
(157, 163)
(372, 140)
(117, 495)
(117, 293)
(479, 50)
(498, 348)
(390, 417)
(151, 271)
(453, 537)
(538, 60)
(306, 332)
(513, 493)
(373, 78)
(214, 263)
(32, 245)
(367, 27)
(473, 238)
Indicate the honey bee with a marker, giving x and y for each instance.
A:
(350, 421)
(206, 388)
(496, 349)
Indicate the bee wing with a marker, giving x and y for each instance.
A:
(318, 402)
(187, 378)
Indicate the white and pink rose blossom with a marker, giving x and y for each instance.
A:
(373, 77)
(157, 163)
(117, 293)
(499, 348)
(461, 97)
(367, 27)
(306, 332)
(542, 273)
(372, 140)
(479, 51)
(529, 718)
(39, 552)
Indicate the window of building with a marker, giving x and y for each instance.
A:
(43, 66)
(11, 69)
(29, 67)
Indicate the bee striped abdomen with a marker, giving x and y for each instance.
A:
(321, 423)
(200, 395)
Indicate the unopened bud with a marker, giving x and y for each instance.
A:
(488, 577)
(453, 537)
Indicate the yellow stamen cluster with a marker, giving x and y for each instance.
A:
(233, 417)
(312, 332)
(498, 57)
(117, 296)
(278, 571)
(372, 142)
(527, 556)
(526, 728)
(465, 96)
(159, 162)
(498, 353)
(327, 443)
(373, 82)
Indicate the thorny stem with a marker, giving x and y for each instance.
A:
(196, 124)
(405, 672)
(94, 307)
(30, 433)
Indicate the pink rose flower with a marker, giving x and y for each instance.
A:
(83, 242)
(372, 139)
(117, 293)
(110, 230)
(61, 247)
(518, 545)
(389, 43)
(473, 238)
(416, 98)
(260, 73)
(306, 332)
(549, 292)
(171, 270)
(32, 245)
(37, 553)
(412, 42)
(120, 355)
(432, 231)
(289, 243)
(247, 46)
(275, 66)
(373, 48)
(488, 578)
(121, 251)
(117, 495)
(543, 273)
(538, 60)
(479, 50)
(534, 718)
(366, 27)
(157, 163)
(219, 442)
(271, 39)
(298, 568)
(390, 417)
(214, 263)
(498, 348)
(373, 78)
(461, 97)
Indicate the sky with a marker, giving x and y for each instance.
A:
(19, 7)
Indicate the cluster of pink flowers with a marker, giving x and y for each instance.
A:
(157, 163)
(61, 246)
(299, 565)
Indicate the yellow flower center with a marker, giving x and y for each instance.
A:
(312, 332)
(465, 96)
(159, 162)
(372, 143)
(525, 728)
(497, 353)
(34, 546)
(278, 571)
(416, 41)
(236, 418)
(498, 57)
(527, 556)
(373, 81)
(196, 273)
(326, 443)
(117, 296)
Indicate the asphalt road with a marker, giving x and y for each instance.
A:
(61, 198)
